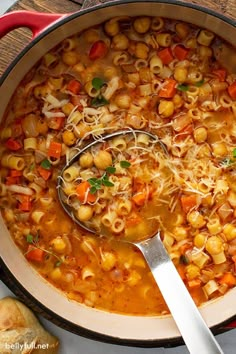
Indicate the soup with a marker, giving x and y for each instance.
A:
(147, 73)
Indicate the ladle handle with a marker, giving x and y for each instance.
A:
(197, 336)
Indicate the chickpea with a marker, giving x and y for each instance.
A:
(142, 24)
(68, 138)
(58, 244)
(196, 219)
(81, 130)
(86, 160)
(42, 91)
(70, 58)
(178, 101)
(180, 74)
(219, 149)
(141, 50)
(200, 134)
(199, 240)
(120, 42)
(91, 35)
(192, 271)
(112, 28)
(85, 212)
(123, 101)
(230, 232)
(108, 260)
(42, 127)
(56, 274)
(163, 39)
(166, 108)
(67, 108)
(103, 160)
(214, 245)
(110, 72)
(205, 52)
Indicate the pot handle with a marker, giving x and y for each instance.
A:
(35, 21)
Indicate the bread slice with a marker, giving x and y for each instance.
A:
(21, 332)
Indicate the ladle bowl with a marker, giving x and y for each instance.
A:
(196, 335)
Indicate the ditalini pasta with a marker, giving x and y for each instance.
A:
(153, 74)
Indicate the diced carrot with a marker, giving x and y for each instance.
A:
(166, 56)
(220, 73)
(15, 173)
(194, 283)
(228, 279)
(74, 86)
(55, 149)
(13, 144)
(98, 50)
(34, 254)
(139, 198)
(12, 180)
(180, 52)
(44, 173)
(83, 193)
(133, 220)
(188, 202)
(56, 123)
(168, 89)
(232, 90)
(25, 203)
(185, 132)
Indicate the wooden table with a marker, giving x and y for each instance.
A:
(12, 44)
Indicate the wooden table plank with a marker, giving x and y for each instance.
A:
(15, 41)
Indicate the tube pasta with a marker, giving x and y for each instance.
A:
(13, 162)
(156, 65)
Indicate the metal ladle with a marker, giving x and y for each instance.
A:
(196, 334)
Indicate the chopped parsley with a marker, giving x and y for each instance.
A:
(46, 164)
(97, 183)
(97, 83)
(183, 87)
(99, 101)
(125, 164)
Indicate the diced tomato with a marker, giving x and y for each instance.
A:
(166, 56)
(13, 144)
(220, 73)
(168, 89)
(34, 254)
(74, 86)
(232, 90)
(180, 52)
(98, 50)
